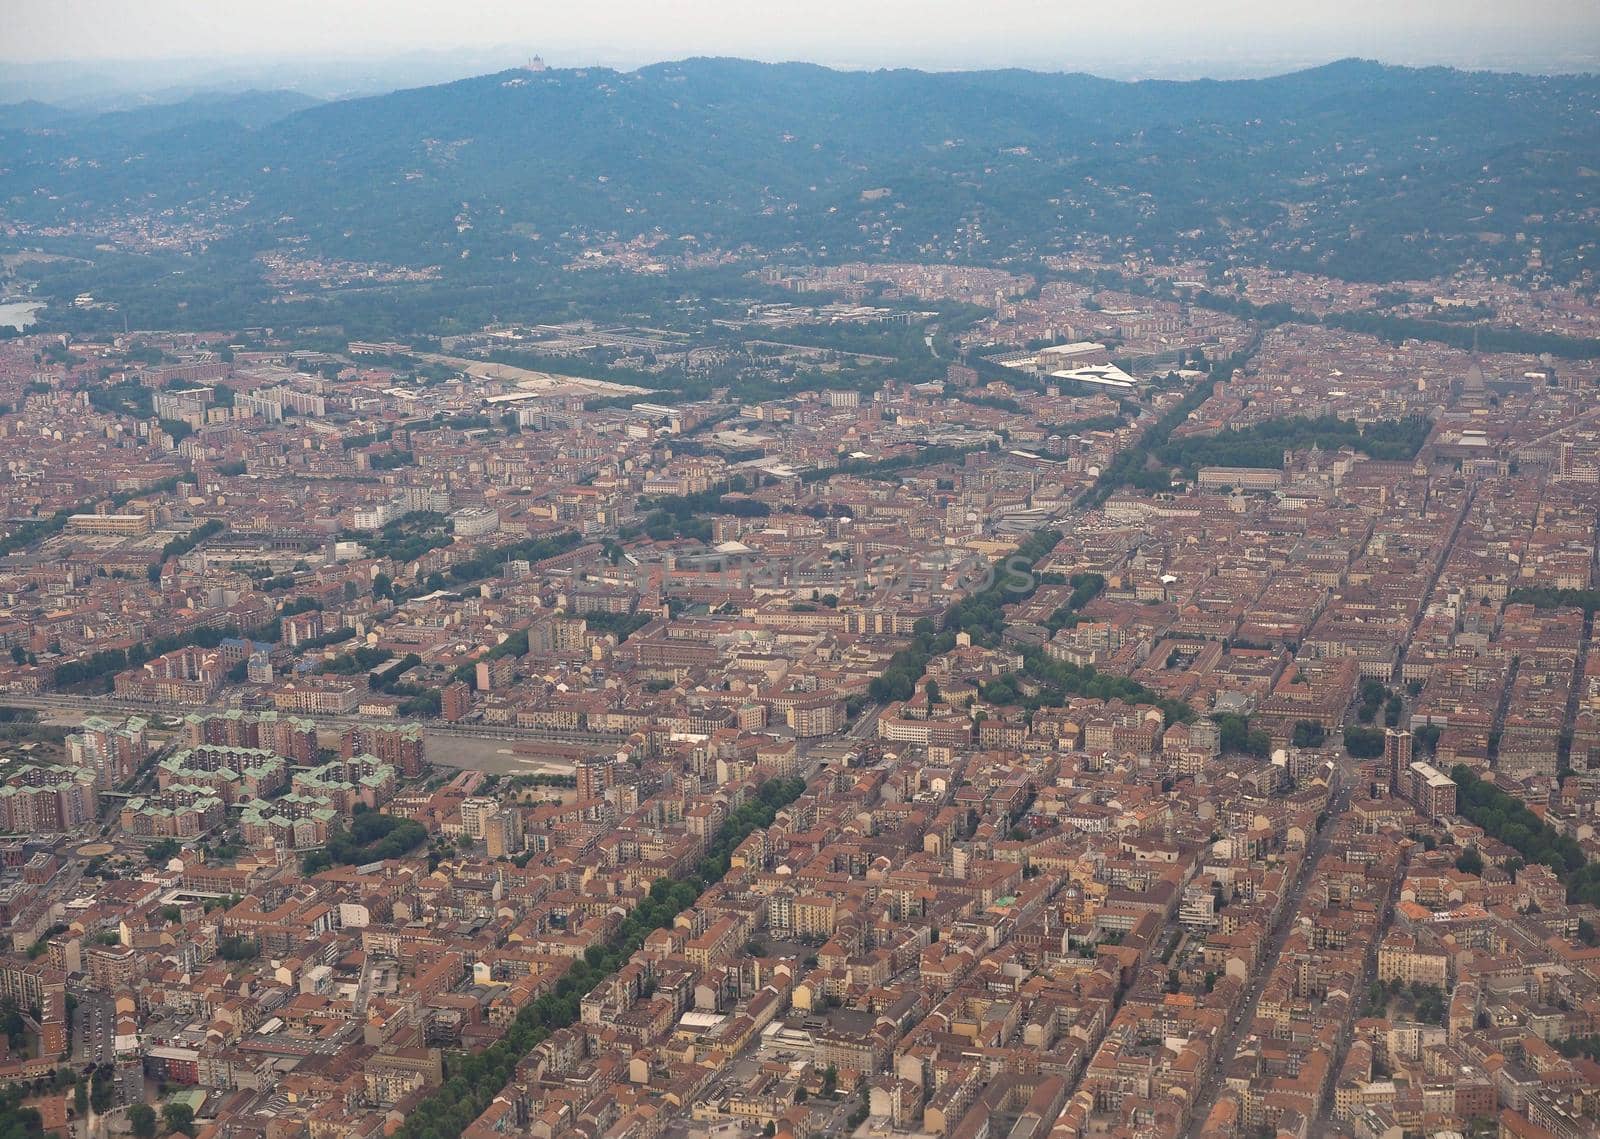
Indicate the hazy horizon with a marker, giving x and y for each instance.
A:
(167, 44)
(100, 85)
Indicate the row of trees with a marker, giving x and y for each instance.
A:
(884, 468)
(1486, 338)
(38, 529)
(180, 546)
(473, 1081)
(1085, 588)
(980, 615)
(1508, 819)
(1130, 465)
(109, 661)
(489, 562)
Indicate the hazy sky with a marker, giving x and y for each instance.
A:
(1179, 35)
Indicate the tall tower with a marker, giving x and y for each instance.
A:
(594, 776)
(1396, 756)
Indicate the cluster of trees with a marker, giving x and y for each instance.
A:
(462, 422)
(1574, 1046)
(13, 1024)
(20, 1122)
(163, 850)
(387, 677)
(371, 838)
(472, 1081)
(1307, 733)
(1373, 695)
(177, 428)
(178, 1118)
(1508, 819)
(664, 526)
(712, 500)
(351, 442)
(331, 637)
(356, 660)
(515, 644)
(420, 700)
(1263, 444)
(391, 459)
(41, 945)
(543, 779)
(1545, 597)
(237, 948)
(34, 530)
(408, 537)
(898, 681)
(126, 397)
(1419, 1001)
(1058, 680)
(422, 703)
(1238, 736)
(1363, 743)
(620, 625)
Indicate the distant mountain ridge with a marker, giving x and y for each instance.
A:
(250, 109)
(1352, 168)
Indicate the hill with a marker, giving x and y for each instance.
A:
(112, 130)
(1355, 169)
